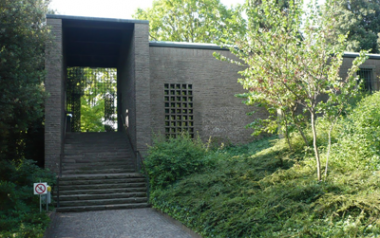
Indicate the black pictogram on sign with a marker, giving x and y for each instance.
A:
(40, 188)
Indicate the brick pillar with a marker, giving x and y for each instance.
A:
(142, 86)
(54, 103)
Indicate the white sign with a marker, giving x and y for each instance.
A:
(40, 188)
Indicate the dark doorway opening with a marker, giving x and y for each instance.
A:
(93, 49)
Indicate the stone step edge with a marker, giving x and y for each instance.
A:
(101, 191)
(85, 187)
(106, 201)
(102, 207)
(101, 181)
(101, 176)
(86, 197)
(96, 171)
(110, 193)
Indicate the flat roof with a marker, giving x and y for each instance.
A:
(355, 54)
(206, 46)
(82, 18)
(186, 45)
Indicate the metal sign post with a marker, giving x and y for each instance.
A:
(39, 189)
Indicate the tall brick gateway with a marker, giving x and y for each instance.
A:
(162, 88)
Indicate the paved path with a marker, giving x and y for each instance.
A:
(133, 223)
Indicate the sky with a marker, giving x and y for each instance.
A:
(108, 8)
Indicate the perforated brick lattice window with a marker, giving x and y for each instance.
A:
(178, 109)
(365, 75)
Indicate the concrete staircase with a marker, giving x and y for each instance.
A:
(98, 172)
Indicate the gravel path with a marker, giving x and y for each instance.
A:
(132, 223)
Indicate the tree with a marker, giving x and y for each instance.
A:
(23, 34)
(99, 91)
(191, 20)
(91, 95)
(290, 62)
(361, 18)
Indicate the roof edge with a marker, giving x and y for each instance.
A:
(355, 54)
(186, 45)
(83, 18)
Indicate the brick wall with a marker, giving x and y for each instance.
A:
(217, 112)
(54, 103)
(126, 84)
(373, 64)
(142, 86)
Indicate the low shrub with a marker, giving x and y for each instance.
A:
(358, 146)
(170, 160)
(19, 207)
(263, 189)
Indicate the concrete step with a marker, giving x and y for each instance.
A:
(94, 150)
(97, 166)
(83, 143)
(98, 163)
(101, 186)
(101, 176)
(97, 144)
(113, 195)
(88, 140)
(102, 207)
(83, 159)
(117, 180)
(106, 164)
(68, 159)
(87, 166)
(90, 154)
(116, 189)
(99, 141)
(97, 171)
(103, 202)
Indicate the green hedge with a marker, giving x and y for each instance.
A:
(172, 159)
(19, 207)
(249, 192)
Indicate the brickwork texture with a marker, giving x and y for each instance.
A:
(143, 71)
(54, 103)
(217, 112)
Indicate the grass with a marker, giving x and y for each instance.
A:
(262, 189)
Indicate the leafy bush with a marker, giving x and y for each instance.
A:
(19, 207)
(358, 146)
(169, 160)
(249, 193)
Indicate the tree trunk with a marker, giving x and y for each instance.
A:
(296, 122)
(286, 131)
(303, 136)
(315, 145)
(328, 151)
(329, 146)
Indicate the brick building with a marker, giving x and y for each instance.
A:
(163, 87)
